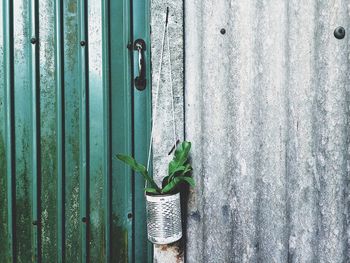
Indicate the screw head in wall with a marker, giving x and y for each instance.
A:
(339, 32)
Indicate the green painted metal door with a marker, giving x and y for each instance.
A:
(67, 106)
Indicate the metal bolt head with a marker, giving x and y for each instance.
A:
(129, 46)
(82, 43)
(33, 40)
(84, 219)
(339, 32)
(223, 31)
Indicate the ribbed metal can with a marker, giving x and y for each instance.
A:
(163, 218)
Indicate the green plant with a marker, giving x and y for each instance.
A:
(178, 170)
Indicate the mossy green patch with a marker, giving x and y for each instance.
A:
(5, 251)
(119, 241)
(24, 227)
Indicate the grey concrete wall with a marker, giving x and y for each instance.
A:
(163, 130)
(267, 109)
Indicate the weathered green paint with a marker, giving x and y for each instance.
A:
(5, 239)
(6, 138)
(24, 242)
(97, 126)
(106, 125)
(84, 129)
(65, 111)
(121, 115)
(120, 241)
(142, 116)
(59, 39)
(73, 243)
(34, 71)
(48, 131)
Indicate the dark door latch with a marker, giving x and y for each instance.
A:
(140, 80)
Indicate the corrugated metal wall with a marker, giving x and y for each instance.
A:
(267, 110)
(61, 197)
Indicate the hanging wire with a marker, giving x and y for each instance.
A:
(165, 36)
(171, 88)
(157, 91)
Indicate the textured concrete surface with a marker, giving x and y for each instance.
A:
(267, 110)
(168, 253)
(163, 131)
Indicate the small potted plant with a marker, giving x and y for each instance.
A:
(163, 203)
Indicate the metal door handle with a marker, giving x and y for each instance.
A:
(140, 80)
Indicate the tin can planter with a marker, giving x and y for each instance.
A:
(163, 218)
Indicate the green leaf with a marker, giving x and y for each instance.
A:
(132, 163)
(178, 169)
(138, 168)
(189, 180)
(180, 157)
(151, 190)
(165, 181)
(171, 185)
(187, 169)
(183, 169)
(176, 180)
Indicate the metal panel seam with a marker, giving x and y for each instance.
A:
(10, 131)
(106, 123)
(36, 127)
(60, 130)
(84, 131)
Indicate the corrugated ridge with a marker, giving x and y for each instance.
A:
(266, 110)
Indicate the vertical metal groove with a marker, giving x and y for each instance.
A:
(106, 124)
(121, 123)
(141, 130)
(34, 12)
(10, 131)
(132, 143)
(60, 131)
(84, 130)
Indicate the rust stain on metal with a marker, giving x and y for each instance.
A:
(172, 253)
